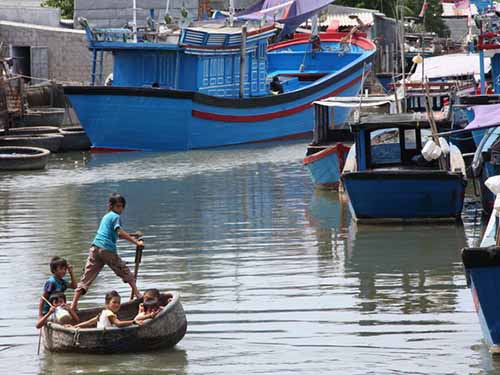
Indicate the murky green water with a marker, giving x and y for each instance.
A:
(274, 277)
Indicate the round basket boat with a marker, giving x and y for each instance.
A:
(75, 139)
(164, 331)
(31, 130)
(51, 142)
(43, 116)
(23, 158)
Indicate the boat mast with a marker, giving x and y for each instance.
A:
(400, 8)
(134, 19)
(314, 25)
(231, 13)
(243, 58)
(167, 6)
(482, 73)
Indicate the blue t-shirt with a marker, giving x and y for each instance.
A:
(106, 236)
(53, 285)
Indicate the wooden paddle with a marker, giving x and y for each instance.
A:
(40, 333)
(138, 258)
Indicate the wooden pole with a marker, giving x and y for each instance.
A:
(39, 341)
(403, 58)
(138, 258)
(497, 243)
(134, 17)
(243, 58)
(432, 122)
(40, 332)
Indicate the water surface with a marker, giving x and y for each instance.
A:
(274, 276)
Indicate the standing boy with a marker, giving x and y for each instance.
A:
(103, 250)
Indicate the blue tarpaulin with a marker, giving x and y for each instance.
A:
(291, 13)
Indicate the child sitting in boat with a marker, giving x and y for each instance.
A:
(103, 250)
(56, 283)
(58, 312)
(151, 305)
(108, 316)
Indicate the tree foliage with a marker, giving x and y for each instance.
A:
(410, 8)
(66, 6)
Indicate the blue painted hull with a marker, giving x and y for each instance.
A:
(152, 119)
(326, 166)
(160, 120)
(404, 195)
(482, 267)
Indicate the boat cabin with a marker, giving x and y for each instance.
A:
(395, 141)
(207, 59)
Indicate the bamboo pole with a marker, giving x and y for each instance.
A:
(243, 58)
(432, 122)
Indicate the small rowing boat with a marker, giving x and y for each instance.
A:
(164, 331)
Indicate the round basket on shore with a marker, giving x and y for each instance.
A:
(75, 139)
(43, 116)
(51, 142)
(23, 158)
(31, 130)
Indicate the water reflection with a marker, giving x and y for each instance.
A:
(404, 267)
(172, 361)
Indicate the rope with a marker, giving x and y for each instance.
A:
(76, 337)
(48, 80)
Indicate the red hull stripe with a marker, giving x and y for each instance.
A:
(338, 149)
(271, 115)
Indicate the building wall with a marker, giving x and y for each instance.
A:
(68, 56)
(41, 16)
(117, 13)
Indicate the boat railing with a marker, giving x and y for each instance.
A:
(95, 35)
(111, 35)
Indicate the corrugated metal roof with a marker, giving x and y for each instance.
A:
(459, 64)
(344, 20)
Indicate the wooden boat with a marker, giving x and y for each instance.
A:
(193, 95)
(23, 158)
(332, 138)
(391, 181)
(482, 269)
(165, 330)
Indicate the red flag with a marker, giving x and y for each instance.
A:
(425, 5)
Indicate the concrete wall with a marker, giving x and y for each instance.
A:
(40, 16)
(68, 56)
(117, 13)
(238, 4)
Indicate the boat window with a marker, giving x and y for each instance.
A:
(410, 139)
(385, 148)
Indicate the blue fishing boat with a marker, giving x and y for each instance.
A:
(332, 139)
(482, 269)
(218, 85)
(325, 166)
(392, 182)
